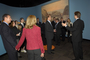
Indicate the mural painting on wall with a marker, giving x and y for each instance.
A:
(57, 9)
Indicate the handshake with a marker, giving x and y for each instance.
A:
(54, 30)
(64, 24)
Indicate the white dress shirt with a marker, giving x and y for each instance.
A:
(22, 24)
(49, 22)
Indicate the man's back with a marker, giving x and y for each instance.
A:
(58, 28)
(77, 30)
(79, 26)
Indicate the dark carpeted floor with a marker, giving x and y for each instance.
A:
(62, 52)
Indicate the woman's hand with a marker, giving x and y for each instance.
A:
(42, 54)
(18, 49)
(18, 34)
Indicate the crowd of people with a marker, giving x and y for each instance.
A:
(29, 36)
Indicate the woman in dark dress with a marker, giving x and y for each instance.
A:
(16, 32)
(14, 29)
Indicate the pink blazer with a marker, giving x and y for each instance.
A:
(33, 38)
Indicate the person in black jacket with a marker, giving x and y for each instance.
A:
(63, 29)
(43, 32)
(69, 33)
(53, 22)
(49, 34)
(77, 30)
(23, 47)
(58, 27)
(9, 39)
(16, 33)
(22, 22)
(38, 22)
(14, 29)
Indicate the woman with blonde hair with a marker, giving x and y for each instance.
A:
(69, 33)
(32, 33)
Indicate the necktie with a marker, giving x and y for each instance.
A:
(56, 26)
(50, 23)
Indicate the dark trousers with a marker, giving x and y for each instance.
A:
(54, 37)
(49, 44)
(78, 52)
(12, 54)
(57, 39)
(63, 35)
(69, 37)
(24, 44)
(34, 54)
(44, 39)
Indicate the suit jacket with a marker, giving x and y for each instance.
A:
(43, 28)
(38, 24)
(48, 30)
(33, 38)
(77, 29)
(21, 30)
(22, 26)
(9, 40)
(58, 28)
(15, 31)
(53, 23)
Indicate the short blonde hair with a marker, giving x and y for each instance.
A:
(31, 20)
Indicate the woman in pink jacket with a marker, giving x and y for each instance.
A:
(32, 33)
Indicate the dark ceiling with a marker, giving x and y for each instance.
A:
(23, 3)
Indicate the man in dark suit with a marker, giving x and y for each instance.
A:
(43, 32)
(38, 23)
(77, 29)
(58, 27)
(22, 22)
(9, 40)
(49, 34)
(53, 22)
(63, 29)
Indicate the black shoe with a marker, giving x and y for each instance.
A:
(62, 40)
(81, 59)
(58, 44)
(75, 59)
(52, 52)
(20, 56)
